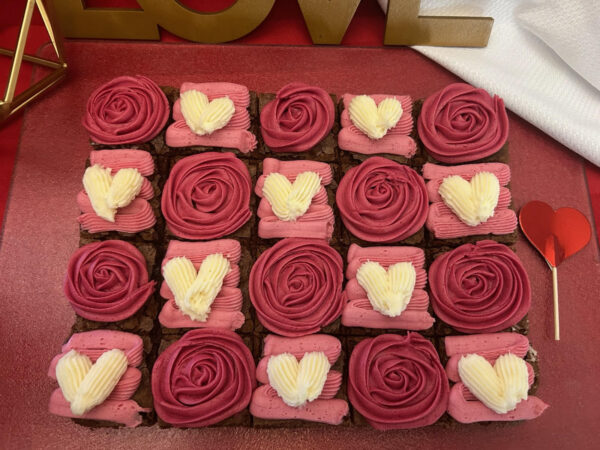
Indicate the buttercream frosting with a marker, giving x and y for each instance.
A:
(479, 288)
(109, 360)
(397, 382)
(297, 119)
(267, 403)
(317, 219)
(491, 379)
(445, 221)
(203, 378)
(207, 196)
(107, 281)
(460, 124)
(296, 286)
(229, 131)
(373, 119)
(204, 116)
(382, 201)
(126, 110)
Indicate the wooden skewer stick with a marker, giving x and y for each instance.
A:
(555, 294)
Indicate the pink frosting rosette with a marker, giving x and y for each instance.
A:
(382, 201)
(126, 110)
(461, 123)
(298, 119)
(107, 281)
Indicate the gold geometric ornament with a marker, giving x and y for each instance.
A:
(12, 103)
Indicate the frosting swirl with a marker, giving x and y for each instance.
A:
(126, 110)
(204, 378)
(479, 288)
(298, 118)
(461, 123)
(296, 286)
(107, 281)
(397, 382)
(207, 196)
(382, 201)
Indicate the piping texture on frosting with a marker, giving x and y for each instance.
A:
(298, 382)
(461, 124)
(296, 286)
(382, 201)
(373, 119)
(397, 382)
(462, 196)
(207, 196)
(224, 310)
(479, 288)
(212, 115)
(297, 119)
(97, 375)
(294, 201)
(203, 378)
(126, 110)
(107, 281)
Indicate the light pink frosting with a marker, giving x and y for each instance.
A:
(444, 224)
(233, 135)
(118, 407)
(358, 311)
(316, 223)
(463, 405)
(267, 404)
(397, 140)
(225, 312)
(133, 218)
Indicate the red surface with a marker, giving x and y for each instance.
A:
(41, 232)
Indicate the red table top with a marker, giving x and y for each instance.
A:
(41, 232)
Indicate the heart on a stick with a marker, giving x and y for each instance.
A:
(107, 193)
(473, 202)
(298, 382)
(204, 116)
(195, 292)
(499, 387)
(372, 119)
(291, 200)
(389, 291)
(85, 385)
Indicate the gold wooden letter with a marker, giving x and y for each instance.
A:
(404, 26)
(232, 23)
(327, 21)
(104, 23)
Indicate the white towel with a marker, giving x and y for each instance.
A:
(543, 59)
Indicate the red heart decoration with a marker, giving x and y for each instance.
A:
(556, 234)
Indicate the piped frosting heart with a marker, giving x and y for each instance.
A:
(473, 202)
(298, 382)
(372, 119)
(85, 385)
(107, 193)
(291, 200)
(195, 292)
(204, 116)
(499, 387)
(388, 291)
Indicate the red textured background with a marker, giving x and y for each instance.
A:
(40, 233)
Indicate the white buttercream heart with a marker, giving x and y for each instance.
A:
(298, 382)
(107, 193)
(195, 291)
(473, 202)
(372, 119)
(388, 291)
(290, 201)
(204, 116)
(499, 387)
(85, 385)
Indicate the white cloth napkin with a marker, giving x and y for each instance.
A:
(543, 59)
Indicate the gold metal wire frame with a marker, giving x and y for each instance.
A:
(12, 103)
